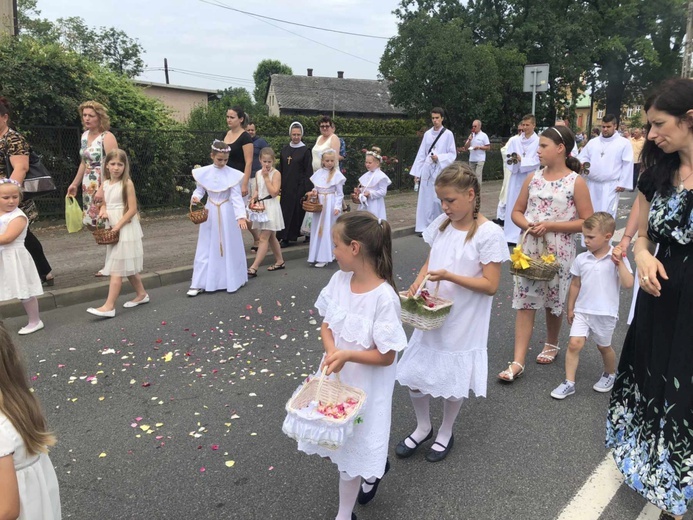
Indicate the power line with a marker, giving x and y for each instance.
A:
(218, 4)
(259, 18)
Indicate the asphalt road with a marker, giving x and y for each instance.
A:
(174, 409)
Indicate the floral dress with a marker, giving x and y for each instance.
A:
(92, 157)
(650, 419)
(549, 201)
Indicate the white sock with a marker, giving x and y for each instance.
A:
(422, 409)
(451, 408)
(31, 307)
(367, 486)
(348, 491)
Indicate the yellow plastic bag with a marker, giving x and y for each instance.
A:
(73, 215)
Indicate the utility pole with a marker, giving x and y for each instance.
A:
(688, 48)
(166, 69)
(8, 17)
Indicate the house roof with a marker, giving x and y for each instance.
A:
(326, 94)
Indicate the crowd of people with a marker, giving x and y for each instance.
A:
(553, 193)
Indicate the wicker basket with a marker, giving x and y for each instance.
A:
(324, 431)
(418, 314)
(105, 236)
(198, 216)
(311, 204)
(538, 269)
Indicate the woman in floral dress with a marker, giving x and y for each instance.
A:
(650, 420)
(553, 203)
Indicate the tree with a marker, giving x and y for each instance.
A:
(213, 115)
(262, 75)
(470, 82)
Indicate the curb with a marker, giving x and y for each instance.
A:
(59, 298)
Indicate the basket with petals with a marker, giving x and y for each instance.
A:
(105, 236)
(311, 204)
(322, 411)
(424, 311)
(199, 215)
(542, 269)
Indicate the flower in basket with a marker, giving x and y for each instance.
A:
(339, 410)
(519, 259)
(549, 258)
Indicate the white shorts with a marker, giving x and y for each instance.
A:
(601, 327)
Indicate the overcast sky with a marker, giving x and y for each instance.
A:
(207, 39)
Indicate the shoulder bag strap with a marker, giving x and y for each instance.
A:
(434, 142)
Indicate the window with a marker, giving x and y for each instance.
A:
(600, 114)
(629, 112)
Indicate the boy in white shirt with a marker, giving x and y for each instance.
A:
(598, 275)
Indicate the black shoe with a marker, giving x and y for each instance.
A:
(511, 244)
(284, 243)
(437, 456)
(403, 451)
(353, 516)
(499, 221)
(307, 239)
(364, 497)
(420, 235)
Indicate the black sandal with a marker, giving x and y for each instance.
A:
(277, 267)
(252, 272)
(254, 249)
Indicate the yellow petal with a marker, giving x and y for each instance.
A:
(230, 463)
(102, 455)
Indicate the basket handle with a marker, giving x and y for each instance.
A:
(543, 239)
(323, 376)
(423, 284)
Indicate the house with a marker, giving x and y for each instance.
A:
(181, 100)
(584, 104)
(339, 96)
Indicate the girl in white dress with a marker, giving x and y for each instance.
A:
(329, 187)
(467, 251)
(266, 188)
(19, 279)
(361, 334)
(373, 185)
(124, 258)
(28, 484)
(220, 261)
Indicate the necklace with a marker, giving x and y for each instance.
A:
(680, 187)
(604, 147)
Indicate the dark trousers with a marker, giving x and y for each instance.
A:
(36, 251)
(636, 174)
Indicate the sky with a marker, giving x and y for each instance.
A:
(200, 39)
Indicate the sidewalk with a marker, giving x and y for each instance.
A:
(169, 249)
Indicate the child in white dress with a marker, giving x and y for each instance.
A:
(266, 188)
(28, 484)
(19, 279)
(467, 251)
(361, 335)
(329, 187)
(373, 185)
(124, 258)
(220, 261)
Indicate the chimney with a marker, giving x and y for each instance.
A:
(310, 72)
(340, 74)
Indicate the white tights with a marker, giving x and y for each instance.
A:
(421, 403)
(348, 491)
(31, 307)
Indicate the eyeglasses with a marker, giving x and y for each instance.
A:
(324, 126)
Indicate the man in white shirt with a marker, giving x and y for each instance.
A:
(477, 144)
(523, 161)
(607, 166)
(437, 151)
(503, 195)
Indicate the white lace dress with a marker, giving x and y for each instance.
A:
(363, 322)
(125, 257)
(452, 360)
(39, 497)
(19, 277)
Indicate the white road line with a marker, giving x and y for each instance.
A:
(649, 512)
(593, 497)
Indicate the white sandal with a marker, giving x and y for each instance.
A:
(548, 355)
(509, 376)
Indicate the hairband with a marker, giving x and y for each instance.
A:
(329, 150)
(11, 181)
(559, 134)
(374, 154)
(296, 124)
(216, 147)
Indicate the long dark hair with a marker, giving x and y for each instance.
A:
(5, 111)
(241, 115)
(375, 237)
(675, 97)
(565, 136)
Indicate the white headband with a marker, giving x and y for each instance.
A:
(294, 125)
(329, 150)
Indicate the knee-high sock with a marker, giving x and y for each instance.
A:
(31, 307)
(348, 491)
(422, 407)
(451, 408)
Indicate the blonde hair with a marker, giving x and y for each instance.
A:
(461, 177)
(101, 112)
(120, 155)
(17, 402)
(376, 153)
(336, 163)
(602, 221)
(267, 150)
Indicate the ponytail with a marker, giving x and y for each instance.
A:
(573, 163)
(461, 177)
(383, 257)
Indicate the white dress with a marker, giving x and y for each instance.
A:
(526, 150)
(19, 279)
(124, 258)
(452, 360)
(331, 195)
(363, 322)
(220, 256)
(38, 485)
(273, 209)
(376, 183)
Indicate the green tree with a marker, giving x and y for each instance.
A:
(262, 75)
(213, 115)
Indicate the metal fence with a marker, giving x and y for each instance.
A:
(161, 161)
